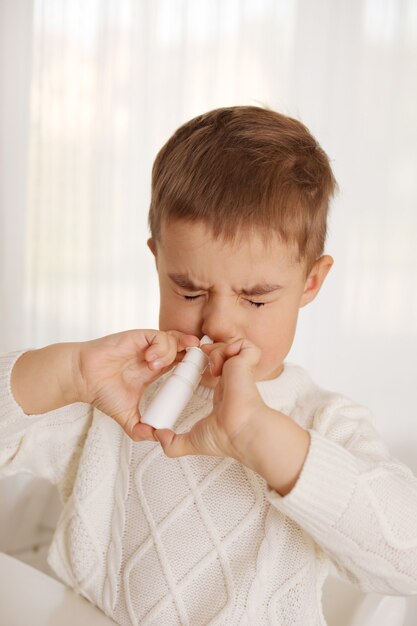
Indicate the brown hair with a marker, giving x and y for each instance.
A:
(241, 169)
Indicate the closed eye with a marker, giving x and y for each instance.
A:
(256, 304)
(191, 298)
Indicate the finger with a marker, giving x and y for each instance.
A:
(183, 340)
(165, 346)
(159, 351)
(142, 432)
(198, 440)
(209, 347)
(243, 352)
(203, 438)
(218, 393)
(179, 342)
(174, 445)
(217, 359)
(162, 351)
(247, 352)
(129, 421)
(216, 354)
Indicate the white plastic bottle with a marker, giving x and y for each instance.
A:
(171, 399)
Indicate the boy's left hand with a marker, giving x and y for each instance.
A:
(241, 425)
(237, 406)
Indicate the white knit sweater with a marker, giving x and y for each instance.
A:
(203, 540)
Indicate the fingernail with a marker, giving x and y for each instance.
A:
(156, 365)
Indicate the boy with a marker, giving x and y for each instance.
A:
(269, 479)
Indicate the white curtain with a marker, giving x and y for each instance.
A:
(112, 79)
(15, 84)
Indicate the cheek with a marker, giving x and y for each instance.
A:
(275, 334)
(176, 315)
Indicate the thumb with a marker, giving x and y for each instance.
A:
(247, 351)
(201, 439)
(174, 445)
(137, 430)
(242, 355)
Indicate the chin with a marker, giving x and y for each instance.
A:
(274, 374)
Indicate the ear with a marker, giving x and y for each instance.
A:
(316, 278)
(152, 246)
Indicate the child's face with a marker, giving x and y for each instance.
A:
(233, 290)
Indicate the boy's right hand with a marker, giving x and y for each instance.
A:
(112, 372)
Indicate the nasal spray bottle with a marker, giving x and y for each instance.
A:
(168, 403)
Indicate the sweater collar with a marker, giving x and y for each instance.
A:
(282, 393)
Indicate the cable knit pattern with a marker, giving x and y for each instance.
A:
(204, 540)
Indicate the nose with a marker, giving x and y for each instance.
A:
(219, 320)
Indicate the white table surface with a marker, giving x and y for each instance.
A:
(29, 597)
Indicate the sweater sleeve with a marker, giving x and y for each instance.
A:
(356, 501)
(48, 445)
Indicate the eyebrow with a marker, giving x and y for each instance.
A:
(182, 280)
(261, 289)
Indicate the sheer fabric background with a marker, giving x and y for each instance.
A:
(91, 89)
